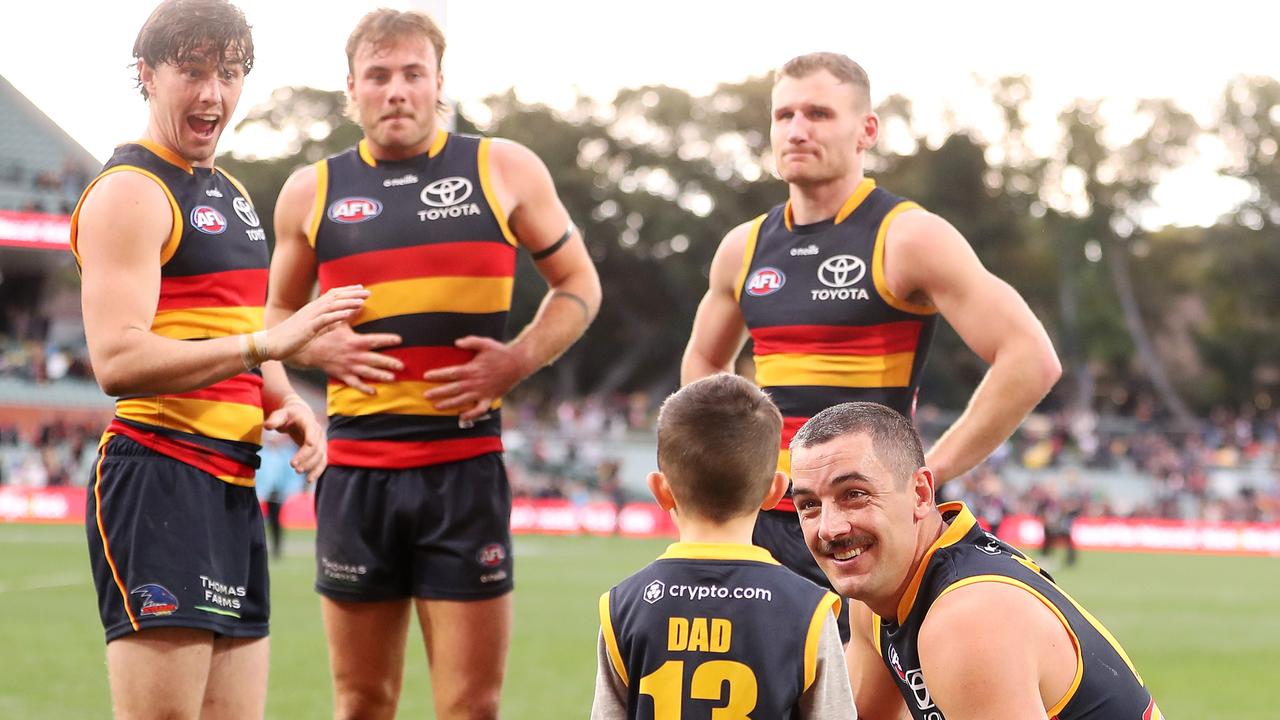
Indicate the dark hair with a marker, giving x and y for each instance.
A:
(896, 442)
(841, 66)
(179, 30)
(718, 442)
(384, 26)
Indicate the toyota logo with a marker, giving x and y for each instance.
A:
(446, 192)
(841, 271)
(245, 211)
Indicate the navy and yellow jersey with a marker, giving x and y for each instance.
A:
(1106, 685)
(825, 327)
(714, 626)
(428, 239)
(213, 283)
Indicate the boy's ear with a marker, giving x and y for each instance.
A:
(777, 489)
(661, 490)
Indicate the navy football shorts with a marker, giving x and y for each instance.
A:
(173, 546)
(779, 532)
(439, 532)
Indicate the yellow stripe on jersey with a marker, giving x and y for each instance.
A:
(784, 461)
(1075, 641)
(748, 254)
(318, 207)
(490, 194)
(207, 322)
(611, 640)
(960, 526)
(216, 419)
(436, 294)
(828, 607)
(877, 265)
(849, 371)
(398, 398)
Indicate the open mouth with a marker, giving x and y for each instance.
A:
(203, 125)
(847, 551)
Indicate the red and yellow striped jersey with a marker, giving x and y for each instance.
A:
(213, 283)
(427, 237)
(825, 327)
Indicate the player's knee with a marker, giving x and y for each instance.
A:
(366, 700)
(475, 704)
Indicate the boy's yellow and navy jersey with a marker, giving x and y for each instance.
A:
(427, 237)
(714, 626)
(213, 283)
(1106, 685)
(826, 328)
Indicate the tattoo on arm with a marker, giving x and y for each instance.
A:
(586, 309)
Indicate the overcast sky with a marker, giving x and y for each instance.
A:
(71, 58)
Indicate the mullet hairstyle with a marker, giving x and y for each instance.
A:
(718, 441)
(182, 30)
(894, 438)
(384, 27)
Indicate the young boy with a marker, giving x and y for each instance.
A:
(716, 623)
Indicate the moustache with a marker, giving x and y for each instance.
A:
(844, 543)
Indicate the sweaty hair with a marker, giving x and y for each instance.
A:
(896, 442)
(718, 446)
(183, 30)
(384, 27)
(840, 66)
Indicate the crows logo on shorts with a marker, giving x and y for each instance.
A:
(156, 600)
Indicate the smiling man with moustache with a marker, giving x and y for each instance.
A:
(840, 289)
(968, 627)
(414, 512)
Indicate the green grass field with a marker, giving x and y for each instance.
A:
(1203, 631)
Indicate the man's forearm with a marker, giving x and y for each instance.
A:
(562, 318)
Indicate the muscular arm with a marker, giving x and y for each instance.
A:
(993, 651)
(718, 328)
(928, 262)
(538, 220)
(123, 225)
(874, 691)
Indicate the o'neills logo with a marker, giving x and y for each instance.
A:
(354, 209)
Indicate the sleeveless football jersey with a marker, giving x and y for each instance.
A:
(213, 283)
(825, 327)
(427, 237)
(714, 626)
(1106, 685)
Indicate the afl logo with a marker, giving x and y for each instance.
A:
(245, 211)
(208, 221)
(766, 281)
(446, 192)
(491, 555)
(354, 209)
(841, 271)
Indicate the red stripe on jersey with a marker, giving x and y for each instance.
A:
(418, 360)
(786, 504)
(243, 389)
(790, 426)
(395, 455)
(197, 456)
(455, 259)
(230, 288)
(897, 337)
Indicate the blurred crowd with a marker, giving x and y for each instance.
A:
(52, 191)
(1054, 468)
